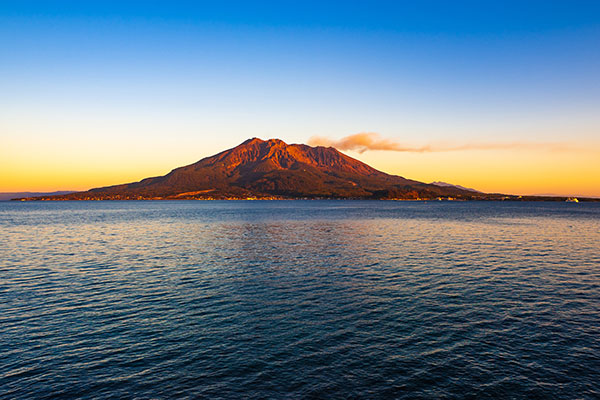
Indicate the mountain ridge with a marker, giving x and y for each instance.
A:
(6, 196)
(446, 184)
(273, 169)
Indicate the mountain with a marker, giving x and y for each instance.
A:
(4, 196)
(445, 184)
(273, 169)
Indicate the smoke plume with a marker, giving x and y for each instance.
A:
(364, 141)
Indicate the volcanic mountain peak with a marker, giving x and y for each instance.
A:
(273, 169)
(256, 140)
(275, 154)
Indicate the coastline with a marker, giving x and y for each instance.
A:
(565, 199)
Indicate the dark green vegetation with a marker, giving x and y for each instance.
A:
(272, 169)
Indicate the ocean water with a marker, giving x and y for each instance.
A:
(299, 299)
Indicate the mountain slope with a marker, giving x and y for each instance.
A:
(273, 169)
(445, 184)
(5, 196)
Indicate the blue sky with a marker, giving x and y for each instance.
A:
(153, 85)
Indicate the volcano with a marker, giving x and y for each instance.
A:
(272, 169)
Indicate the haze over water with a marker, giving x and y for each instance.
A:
(330, 299)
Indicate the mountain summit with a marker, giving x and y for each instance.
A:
(273, 169)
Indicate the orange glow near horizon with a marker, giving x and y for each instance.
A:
(503, 171)
(521, 172)
(497, 98)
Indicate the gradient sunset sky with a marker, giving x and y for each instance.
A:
(504, 95)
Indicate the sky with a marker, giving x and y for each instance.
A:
(504, 96)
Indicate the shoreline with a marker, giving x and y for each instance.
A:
(501, 199)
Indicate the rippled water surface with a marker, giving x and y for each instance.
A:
(297, 299)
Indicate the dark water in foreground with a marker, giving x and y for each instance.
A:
(297, 299)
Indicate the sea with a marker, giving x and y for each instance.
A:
(329, 299)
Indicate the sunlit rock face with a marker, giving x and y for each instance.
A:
(273, 169)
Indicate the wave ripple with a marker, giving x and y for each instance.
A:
(325, 299)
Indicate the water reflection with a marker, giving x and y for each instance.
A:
(326, 299)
